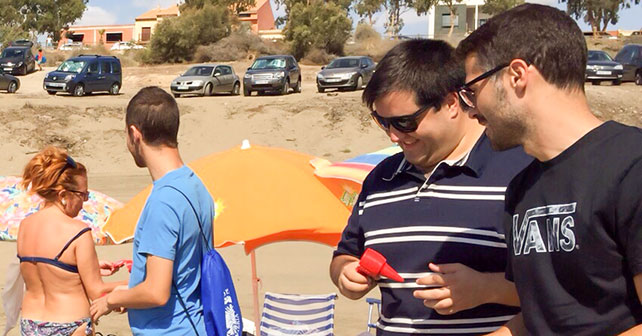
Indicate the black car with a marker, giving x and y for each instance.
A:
(631, 59)
(17, 60)
(272, 73)
(346, 72)
(9, 83)
(601, 67)
(85, 74)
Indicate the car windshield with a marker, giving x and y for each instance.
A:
(71, 66)
(269, 63)
(598, 56)
(343, 63)
(199, 71)
(12, 52)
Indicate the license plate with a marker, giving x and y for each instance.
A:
(333, 80)
(261, 82)
(57, 85)
(8, 69)
(603, 72)
(183, 87)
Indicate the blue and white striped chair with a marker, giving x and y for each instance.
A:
(293, 314)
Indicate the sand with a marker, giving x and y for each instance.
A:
(334, 126)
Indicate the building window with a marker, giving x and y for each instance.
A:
(245, 15)
(445, 20)
(114, 37)
(146, 34)
(77, 37)
(482, 21)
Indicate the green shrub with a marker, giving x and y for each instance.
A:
(238, 46)
(176, 39)
(365, 32)
(317, 56)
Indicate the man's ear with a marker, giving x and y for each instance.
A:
(518, 74)
(452, 105)
(134, 134)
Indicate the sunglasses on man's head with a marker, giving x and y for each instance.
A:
(406, 123)
(467, 95)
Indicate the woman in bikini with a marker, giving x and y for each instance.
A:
(58, 260)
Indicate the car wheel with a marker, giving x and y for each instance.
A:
(208, 89)
(595, 82)
(176, 95)
(617, 82)
(79, 90)
(359, 84)
(297, 89)
(236, 89)
(320, 89)
(13, 87)
(638, 78)
(53, 93)
(115, 88)
(247, 92)
(286, 87)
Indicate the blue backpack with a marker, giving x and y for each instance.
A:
(221, 310)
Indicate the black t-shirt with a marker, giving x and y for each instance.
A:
(574, 231)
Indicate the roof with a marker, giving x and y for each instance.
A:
(159, 12)
(256, 7)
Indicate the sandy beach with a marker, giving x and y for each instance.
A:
(334, 126)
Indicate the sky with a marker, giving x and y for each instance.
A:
(100, 12)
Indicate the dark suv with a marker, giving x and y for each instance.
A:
(272, 73)
(85, 74)
(631, 59)
(18, 59)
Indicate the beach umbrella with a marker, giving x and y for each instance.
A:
(16, 204)
(262, 195)
(344, 179)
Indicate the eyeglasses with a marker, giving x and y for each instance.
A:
(467, 95)
(406, 123)
(83, 194)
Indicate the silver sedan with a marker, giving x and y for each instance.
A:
(205, 80)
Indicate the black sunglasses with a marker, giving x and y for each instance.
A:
(406, 123)
(467, 95)
(83, 194)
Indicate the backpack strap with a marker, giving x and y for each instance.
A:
(200, 226)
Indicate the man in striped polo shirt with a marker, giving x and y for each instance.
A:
(434, 210)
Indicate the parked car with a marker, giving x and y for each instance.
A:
(630, 56)
(346, 72)
(9, 83)
(206, 79)
(21, 43)
(601, 67)
(272, 73)
(72, 46)
(85, 74)
(17, 60)
(124, 45)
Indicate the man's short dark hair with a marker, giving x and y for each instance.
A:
(155, 114)
(427, 68)
(543, 36)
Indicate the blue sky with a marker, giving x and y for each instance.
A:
(124, 11)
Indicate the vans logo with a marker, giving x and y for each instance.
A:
(545, 229)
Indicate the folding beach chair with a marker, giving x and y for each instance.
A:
(372, 302)
(293, 314)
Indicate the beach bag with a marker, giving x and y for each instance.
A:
(221, 310)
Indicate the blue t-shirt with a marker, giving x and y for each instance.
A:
(167, 228)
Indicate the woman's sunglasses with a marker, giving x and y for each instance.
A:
(83, 194)
(405, 124)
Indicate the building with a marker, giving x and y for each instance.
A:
(91, 35)
(260, 17)
(468, 17)
(145, 23)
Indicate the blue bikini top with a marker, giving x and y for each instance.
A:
(55, 261)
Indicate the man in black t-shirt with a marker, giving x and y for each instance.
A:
(573, 218)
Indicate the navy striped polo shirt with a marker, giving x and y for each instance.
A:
(455, 216)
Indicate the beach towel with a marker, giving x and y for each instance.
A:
(12, 294)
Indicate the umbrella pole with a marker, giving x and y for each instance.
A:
(255, 293)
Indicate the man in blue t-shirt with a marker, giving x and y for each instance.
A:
(164, 287)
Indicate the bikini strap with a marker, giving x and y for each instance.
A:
(71, 241)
